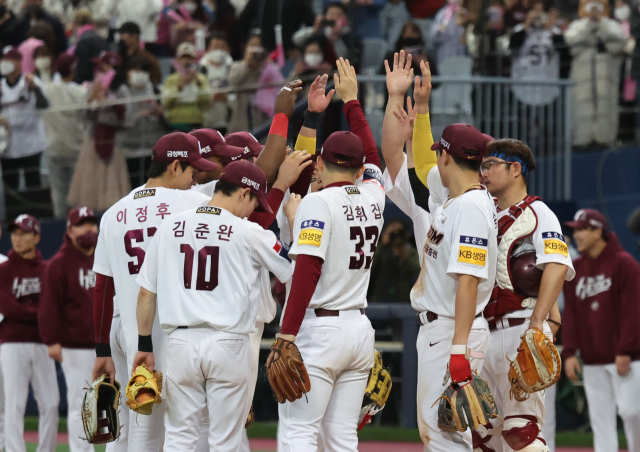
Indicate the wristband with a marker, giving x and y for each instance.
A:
(311, 120)
(103, 350)
(279, 125)
(458, 349)
(145, 344)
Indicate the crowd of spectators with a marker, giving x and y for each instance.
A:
(85, 63)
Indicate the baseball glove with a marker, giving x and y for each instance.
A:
(286, 372)
(378, 390)
(143, 390)
(536, 367)
(468, 405)
(101, 396)
(249, 422)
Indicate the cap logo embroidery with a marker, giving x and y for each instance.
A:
(247, 150)
(247, 181)
(444, 143)
(83, 212)
(183, 154)
(205, 149)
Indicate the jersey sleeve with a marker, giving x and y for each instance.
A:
(148, 276)
(283, 223)
(549, 242)
(401, 193)
(269, 252)
(311, 228)
(101, 262)
(470, 243)
(438, 194)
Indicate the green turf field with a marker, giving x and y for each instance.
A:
(372, 433)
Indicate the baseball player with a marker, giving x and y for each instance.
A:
(601, 323)
(335, 236)
(65, 316)
(197, 263)
(3, 258)
(126, 230)
(21, 348)
(458, 244)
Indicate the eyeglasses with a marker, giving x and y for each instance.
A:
(487, 165)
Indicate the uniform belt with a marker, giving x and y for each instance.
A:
(432, 316)
(502, 324)
(181, 327)
(330, 312)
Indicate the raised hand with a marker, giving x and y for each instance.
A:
(346, 81)
(290, 170)
(399, 77)
(287, 98)
(422, 90)
(407, 119)
(318, 100)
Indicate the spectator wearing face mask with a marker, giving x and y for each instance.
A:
(21, 96)
(412, 42)
(311, 64)
(188, 92)
(216, 64)
(65, 130)
(366, 19)
(43, 64)
(597, 44)
(144, 120)
(447, 33)
(34, 12)
(224, 24)
(101, 177)
(130, 47)
(89, 46)
(41, 34)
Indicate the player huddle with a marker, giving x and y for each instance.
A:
(182, 287)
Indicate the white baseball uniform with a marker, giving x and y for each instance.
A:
(126, 230)
(340, 224)
(203, 265)
(506, 339)
(457, 238)
(2, 259)
(206, 189)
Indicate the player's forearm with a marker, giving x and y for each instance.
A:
(275, 150)
(305, 279)
(274, 198)
(146, 311)
(409, 147)
(360, 127)
(423, 157)
(466, 295)
(550, 287)
(392, 140)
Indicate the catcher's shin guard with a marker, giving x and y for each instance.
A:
(522, 432)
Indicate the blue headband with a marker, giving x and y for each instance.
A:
(511, 159)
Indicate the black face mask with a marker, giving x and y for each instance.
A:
(409, 42)
(35, 11)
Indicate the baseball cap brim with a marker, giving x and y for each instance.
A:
(230, 152)
(203, 165)
(13, 226)
(263, 206)
(577, 224)
(435, 146)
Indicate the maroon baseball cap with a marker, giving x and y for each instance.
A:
(587, 218)
(463, 141)
(245, 174)
(65, 64)
(213, 143)
(183, 147)
(251, 147)
(11, 53)
(27, 223)
(343, 149)
(80, 214)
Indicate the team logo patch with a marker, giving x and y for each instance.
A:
(282, 250)
(144, 193)
(553, 235)
(209, 209)
(278, 246)
(474, 256)
(311, 232)
(473, 241)
(352, 190)
(374, 176)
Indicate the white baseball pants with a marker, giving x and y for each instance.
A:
(77, 366)
(29, 363)
(505, 343)
(118, 353)
(434, 351)
(338, 355)
(549, 426)
(206, 369)
(607, 391)
(254, 348)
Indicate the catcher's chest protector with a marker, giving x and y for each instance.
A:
(520, 223)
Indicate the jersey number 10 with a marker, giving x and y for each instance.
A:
(201, 280)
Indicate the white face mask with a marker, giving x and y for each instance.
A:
(594, 5)
(218, 56)
(138, 78)
(313, 59)
(43, 63)
(190, 6)
(622, 13)
(7, 67)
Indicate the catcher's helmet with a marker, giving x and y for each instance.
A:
(525, 275)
